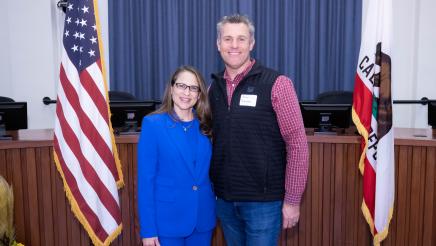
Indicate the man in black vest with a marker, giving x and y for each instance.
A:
(260, 154)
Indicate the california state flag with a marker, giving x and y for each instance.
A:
(372, 114)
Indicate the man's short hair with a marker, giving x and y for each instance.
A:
(235, 19)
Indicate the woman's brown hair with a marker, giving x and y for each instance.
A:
(202, 107)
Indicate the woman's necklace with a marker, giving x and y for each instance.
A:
(185, 126)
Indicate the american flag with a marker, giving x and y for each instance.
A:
(84, 148)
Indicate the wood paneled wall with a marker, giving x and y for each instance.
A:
(330, 212)
(42, 212)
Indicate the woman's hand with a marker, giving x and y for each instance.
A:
(151, 241)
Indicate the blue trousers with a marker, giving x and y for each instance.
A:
(250, 223)
(195, 239)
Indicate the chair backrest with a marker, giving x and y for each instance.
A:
(6, 99)
(121, 96)
(335, 97)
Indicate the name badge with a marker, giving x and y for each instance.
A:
(248, 100)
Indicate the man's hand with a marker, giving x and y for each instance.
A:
(151, 241)
(291, 215)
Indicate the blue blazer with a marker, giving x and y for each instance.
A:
(174, 190)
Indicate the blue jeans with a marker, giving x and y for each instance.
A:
(250, 223)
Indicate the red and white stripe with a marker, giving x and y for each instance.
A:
(84, 148)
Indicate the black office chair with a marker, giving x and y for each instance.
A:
(335, 97)
(121, 96)
(6, 99)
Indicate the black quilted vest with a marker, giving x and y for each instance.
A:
(249, 154)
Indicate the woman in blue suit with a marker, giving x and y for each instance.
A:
(175, 199)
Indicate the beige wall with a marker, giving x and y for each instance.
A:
(413, 56)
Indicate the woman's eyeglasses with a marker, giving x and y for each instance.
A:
(182, 86)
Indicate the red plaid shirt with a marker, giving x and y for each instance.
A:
(285, 103)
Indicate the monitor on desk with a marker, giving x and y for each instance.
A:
(13, 116)
(127, 116)
(325, 117)
(432, 114)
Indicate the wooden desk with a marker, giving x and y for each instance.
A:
(330, 212)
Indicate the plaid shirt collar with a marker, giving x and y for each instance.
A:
(239, 76)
